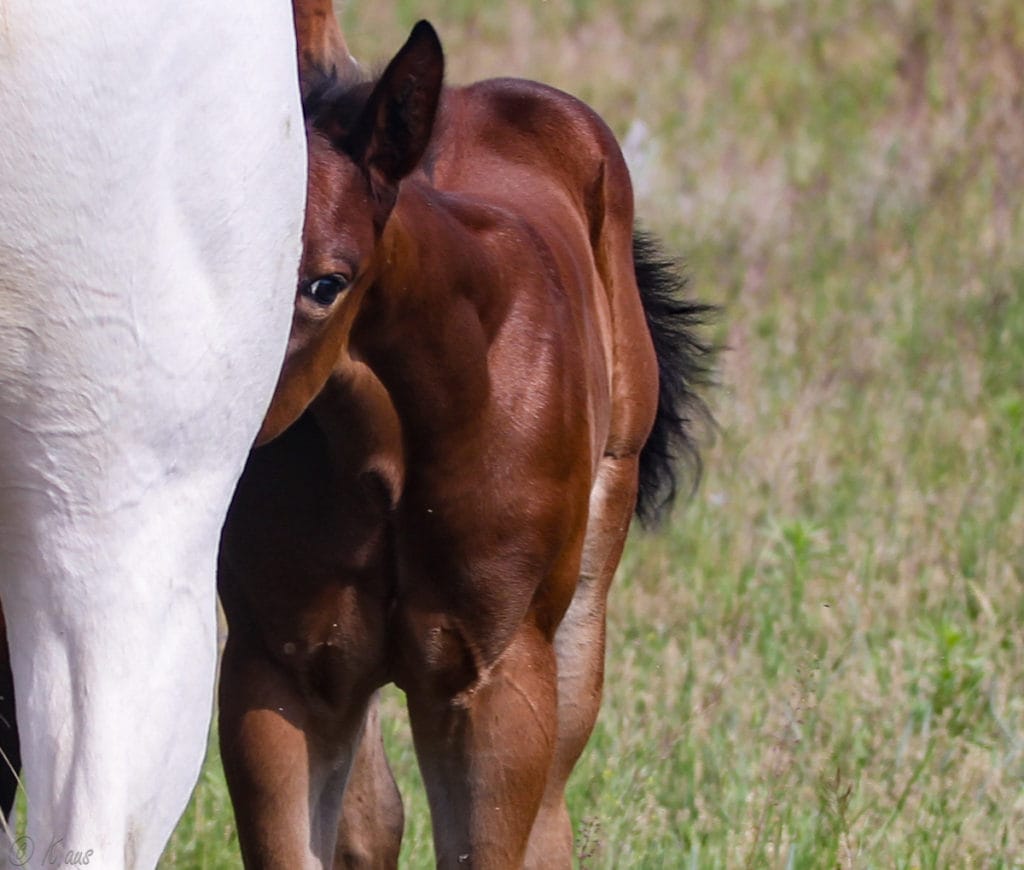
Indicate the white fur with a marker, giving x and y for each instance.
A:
(152, 174)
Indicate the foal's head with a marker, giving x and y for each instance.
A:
(363, 140)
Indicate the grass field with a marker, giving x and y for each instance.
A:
(819, 662)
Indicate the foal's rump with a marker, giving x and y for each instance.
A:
(552, 161)
(523, 125)
(557, 162)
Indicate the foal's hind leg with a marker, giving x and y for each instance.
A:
(579, 646)
(372, 818)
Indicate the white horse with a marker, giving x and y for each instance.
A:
(152, 175)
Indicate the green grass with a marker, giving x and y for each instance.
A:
(820, 661)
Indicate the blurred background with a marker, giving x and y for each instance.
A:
(819, 661)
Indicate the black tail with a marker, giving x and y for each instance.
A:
(685, 361)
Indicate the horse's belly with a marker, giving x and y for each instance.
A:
(152, 174)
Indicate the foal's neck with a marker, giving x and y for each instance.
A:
(426, 324)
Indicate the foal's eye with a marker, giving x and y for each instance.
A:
(325, 290)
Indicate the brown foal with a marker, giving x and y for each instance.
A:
(471, 405)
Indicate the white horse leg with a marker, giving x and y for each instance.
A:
(152, 172)
(114, 694)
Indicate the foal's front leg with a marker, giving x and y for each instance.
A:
(286, 771)
(273, 766)
(485, 753)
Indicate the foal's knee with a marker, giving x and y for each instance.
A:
(436, 658)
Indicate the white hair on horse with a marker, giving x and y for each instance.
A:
(152, 175)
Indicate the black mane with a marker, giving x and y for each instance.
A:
(334, 101)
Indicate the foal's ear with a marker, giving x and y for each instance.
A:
(393, 131)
